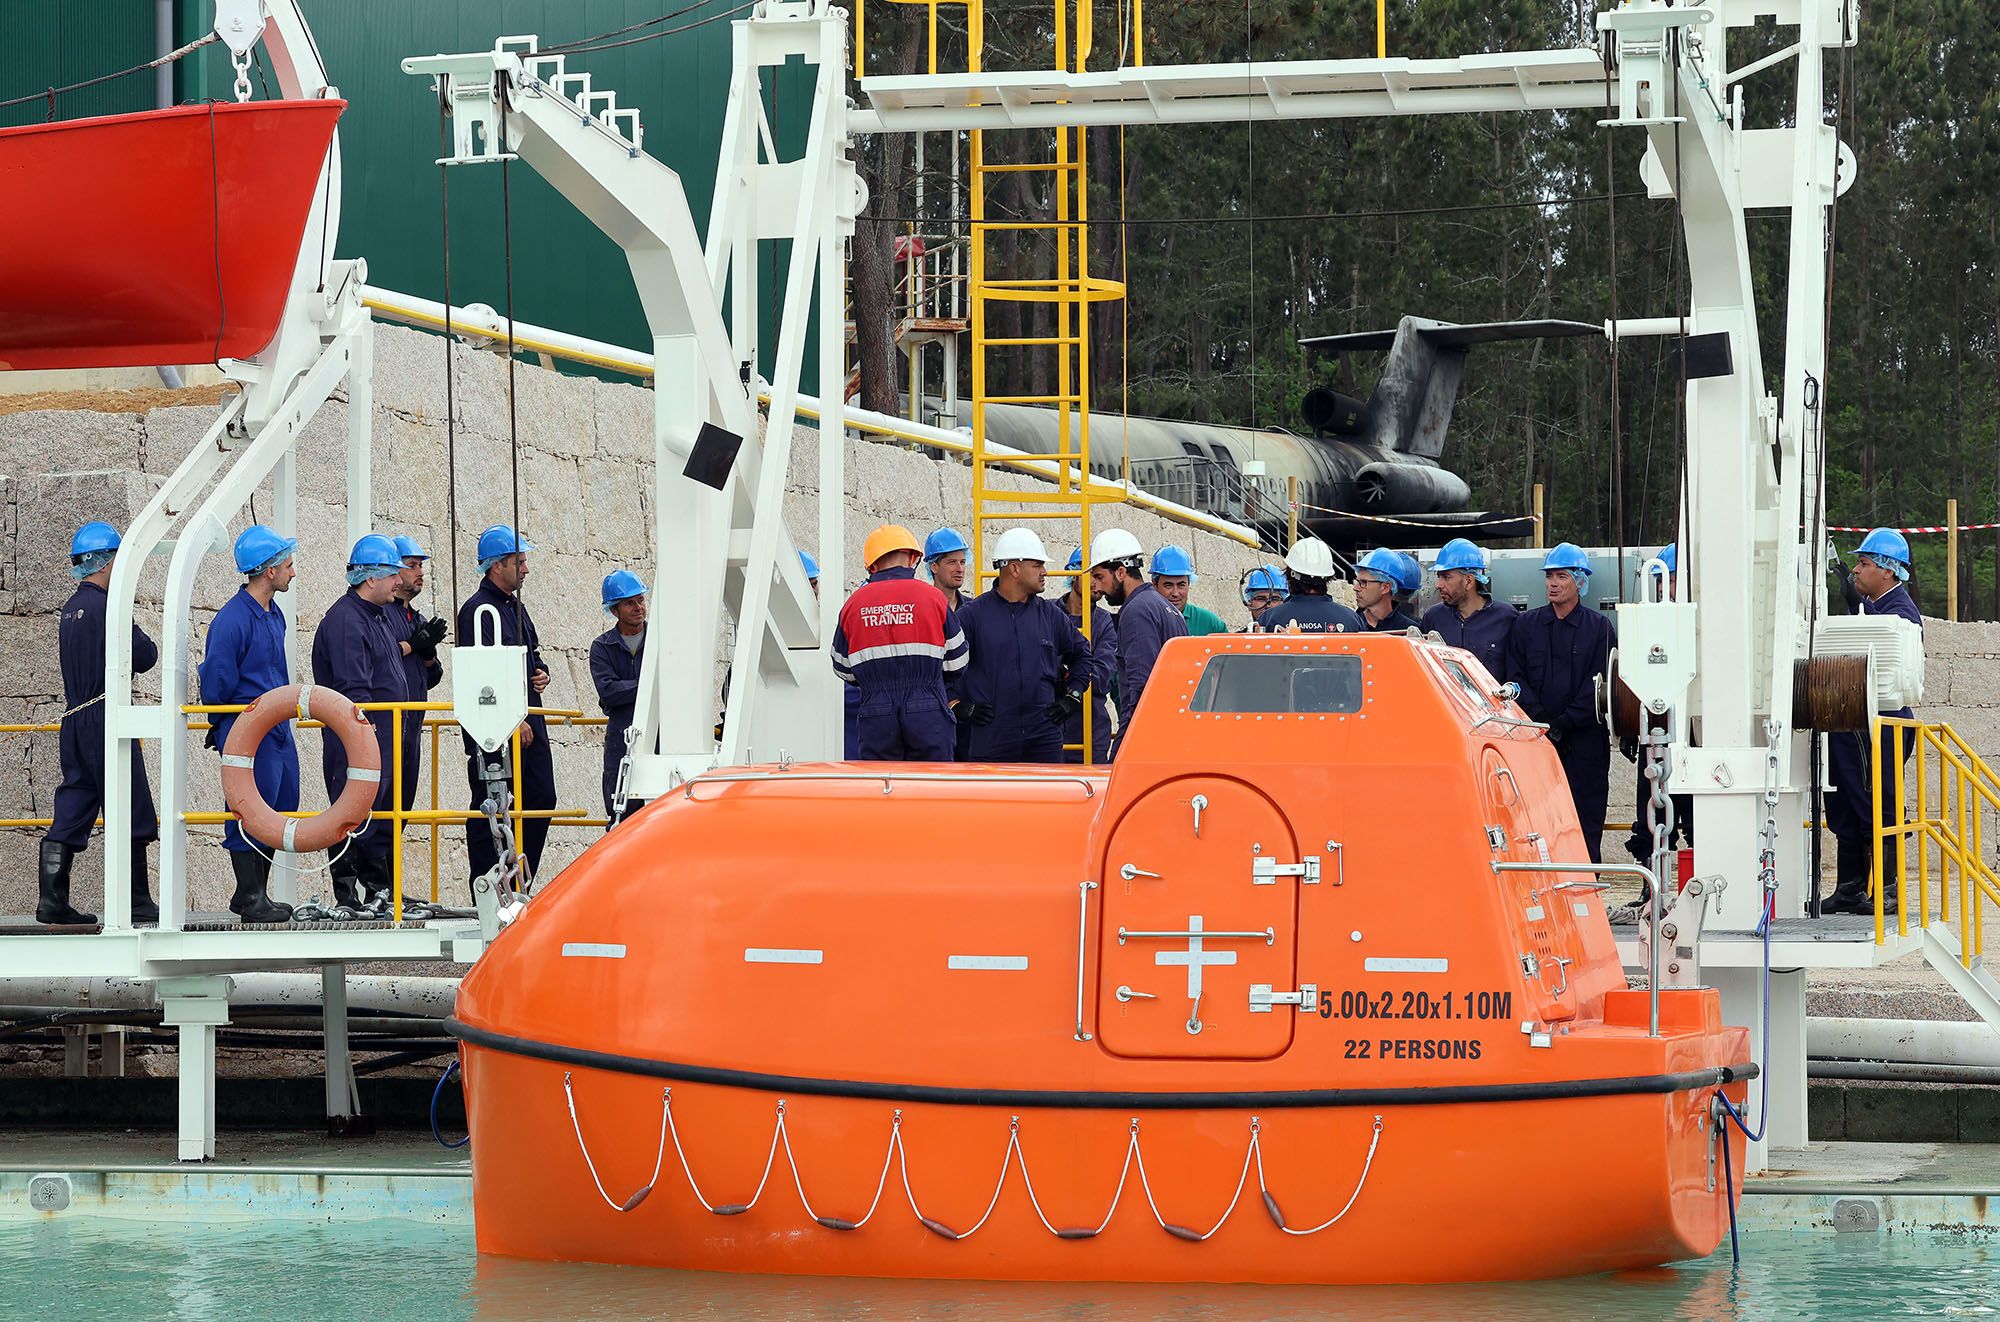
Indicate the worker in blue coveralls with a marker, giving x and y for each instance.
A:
(1466, 615)
(1146, 620)
(616, 656)
(1378, 580)
(897, 640)
(244, 658)
(354, 653)
(1028, 666)
(946, 556)
(1881, 568)
(1557, 653)
(80, 795)
(503, 565)
(1261, 589)
(418, 637)
(1309, 569)
(1103, 668)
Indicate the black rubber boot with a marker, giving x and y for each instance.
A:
(377, 882)
(252, 902)
(347, 885)
(143, 908)
(1853, 862)
(53, 907)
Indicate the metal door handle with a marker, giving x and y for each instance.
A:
(1127, 994)
(1269, 936)
(1131, 870)
(1199, 802)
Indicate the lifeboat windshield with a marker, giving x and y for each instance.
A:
(1316, 683)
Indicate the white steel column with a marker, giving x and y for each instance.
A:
(196, 1007)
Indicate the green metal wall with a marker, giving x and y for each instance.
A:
(566, 274)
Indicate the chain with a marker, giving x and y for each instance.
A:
(1659, 808)
(498, 803)
(1767, 856)
(241, 59)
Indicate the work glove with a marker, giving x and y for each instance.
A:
(424, 639)
(1629, 747)
(1559, 729)
(1848, 592)
(973, 713)
(1065, 706)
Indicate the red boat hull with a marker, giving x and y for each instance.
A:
(165, 237)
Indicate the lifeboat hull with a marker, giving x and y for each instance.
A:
(1442, 1193)
(843, 1019)
(164, 237)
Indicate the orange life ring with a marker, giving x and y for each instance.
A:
(341, 718)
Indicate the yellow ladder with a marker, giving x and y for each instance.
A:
(1066, 286)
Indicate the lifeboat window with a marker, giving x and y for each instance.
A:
(1239, 682)
(1480, 698)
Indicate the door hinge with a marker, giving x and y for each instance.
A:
(1262, 998)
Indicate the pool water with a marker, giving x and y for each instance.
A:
(97, 1267)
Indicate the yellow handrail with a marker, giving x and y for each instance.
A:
(1967, 789)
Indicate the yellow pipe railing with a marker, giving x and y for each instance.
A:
(1967, 789)
(433, 818)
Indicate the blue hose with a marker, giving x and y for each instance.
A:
(1763, 1099)
(437, 1093)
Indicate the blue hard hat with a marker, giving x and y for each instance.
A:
(1075, 561)
(375, 550)
(408, 548)
(94, 536)
(499, 540)
(1461, 553)
(622, 585)
(942, 542)
(810, 565)
(259, 546)
(1412, 577)
(1567, 555)
(1383, 564)
(1174, 562)
(1265, 578)
(1882, 543)
(1670, 557)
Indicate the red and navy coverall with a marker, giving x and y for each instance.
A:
(897, 639)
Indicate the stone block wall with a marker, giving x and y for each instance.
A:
(583, 471)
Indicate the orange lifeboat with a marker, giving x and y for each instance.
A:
(1254, 1005)
(162, 237)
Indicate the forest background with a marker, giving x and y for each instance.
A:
(1238, 240)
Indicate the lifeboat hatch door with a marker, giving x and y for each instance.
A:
(1541, 919)
(1200, 936)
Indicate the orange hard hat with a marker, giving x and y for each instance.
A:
(885, 539)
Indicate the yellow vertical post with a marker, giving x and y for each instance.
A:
(1951, 558)
(1924, 737)
(436, 732)
(1541, 530)
(519, 852)
(1381, 29)
(1897, 815)
(1291, 510)
(396, 815)
(1875, 831)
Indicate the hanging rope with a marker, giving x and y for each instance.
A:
(49, 94)
(897, 1154)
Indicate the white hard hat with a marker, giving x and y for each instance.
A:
(1019, 544)
(1114, 544)
(1310, 558)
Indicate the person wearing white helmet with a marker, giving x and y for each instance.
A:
(1881, 568)
(1146, 620)
(1028, 666)
(1466, 615)
(1309, 569)
(1558, 653)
